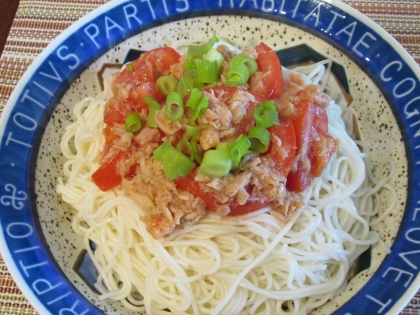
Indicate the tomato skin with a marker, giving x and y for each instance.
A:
(314, 144)
(323, 146)
(141, 72)
(284, 154)
(110, 135)
(149, 66)
(141, 83)
(116, 109)
(138, 94)
(106, 176)
(162, 59)
(188, 184)
(249, 206)
(272, 85)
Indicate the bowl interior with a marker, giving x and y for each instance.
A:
(376, 123)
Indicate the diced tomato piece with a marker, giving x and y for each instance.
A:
(116, 110)
(323, 146)
(249, 206)
(110, 135)
(188, 184)
(162, 59)
(283, 152)
(106, 176)
(136, 73)
(132, 171)
(138, 94)
(149, 66)
(315, 145)
(268, 80)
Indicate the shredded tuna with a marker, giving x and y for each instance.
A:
(239, 103)
(168, 126)
(165, 207)
(208, 138)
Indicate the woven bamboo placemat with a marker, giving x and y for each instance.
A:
(38, 22)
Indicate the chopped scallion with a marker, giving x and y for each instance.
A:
(174, 163)
(153, 108)
(237, 75)
(190, 63)
(129, 67)
(194, 147)
(214, 55)
(249, 62)
(184, 86)
(266, 114)
(174, 106)
(200, 50)
(236, 149)
(259, 138)
(184, 146)
(239, 148)
(166, 84)
(202, 106)
(192, 74)
(216, 163)
(194, 99)
(207, 71)
(132, 122)
(241, 68)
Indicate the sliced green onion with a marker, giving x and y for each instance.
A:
(129, 67)
(266, 114)
(216, 163)
(199, 50)
(190, 63)
(236, 149)
(153, 108)
(259, 138)
(184, 86)
(184, 146)
(214, 55)
(194, 99)
(249, 62)
(174, 106)
(237, 75)
(189, 132)
(194, 147)
(192, 74)
(174, 163)
(132, 122)
(166, 84)
(202, 106)
(207, 71)
(239, 148)
(241, 68)
(226, 40)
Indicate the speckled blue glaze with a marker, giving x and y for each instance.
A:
(34, 99)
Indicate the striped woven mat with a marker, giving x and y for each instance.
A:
(38, 22)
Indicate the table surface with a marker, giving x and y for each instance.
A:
(38, 22)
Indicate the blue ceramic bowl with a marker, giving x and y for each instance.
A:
(379, 77)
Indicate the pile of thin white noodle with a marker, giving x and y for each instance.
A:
(248, 265)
